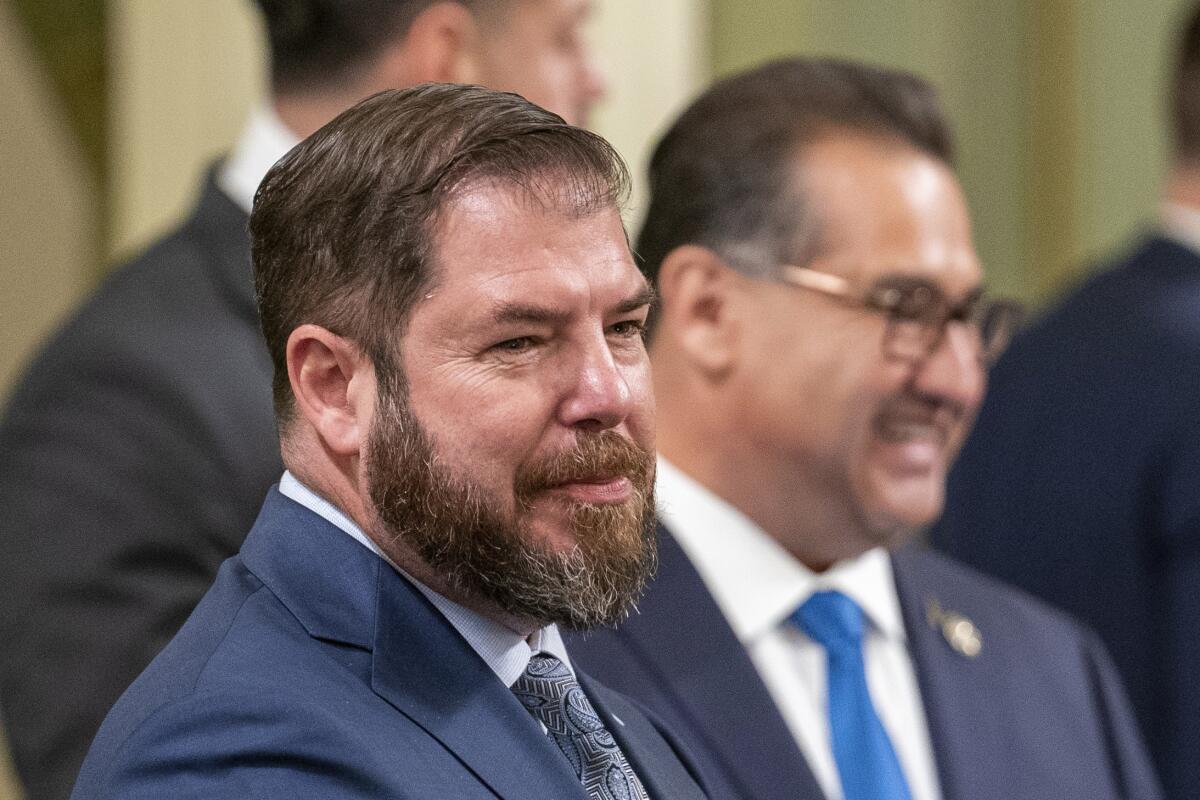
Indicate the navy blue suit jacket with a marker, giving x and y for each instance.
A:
(312, 669)
(1037, 714)
(1081, 483)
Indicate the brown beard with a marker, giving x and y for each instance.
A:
(483, 551)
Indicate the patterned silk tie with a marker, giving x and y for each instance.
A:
(865, 759)
(551, 693)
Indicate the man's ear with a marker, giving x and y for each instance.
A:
(697, 295)
(441, 46)
(333, 383)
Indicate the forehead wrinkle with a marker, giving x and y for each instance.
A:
(509, 311)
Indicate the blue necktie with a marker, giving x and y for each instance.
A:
(551, 693)
(865, 759)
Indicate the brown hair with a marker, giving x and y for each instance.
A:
(319, 45)
(342, 227)
(1185, 91)
(720, 176)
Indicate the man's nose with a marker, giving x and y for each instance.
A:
(600, 396)
(953, 371)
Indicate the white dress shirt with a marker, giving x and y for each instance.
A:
(504, 650)
(263, 141)
(758, 585)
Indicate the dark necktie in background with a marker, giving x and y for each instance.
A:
(866, 761)
(551, 693)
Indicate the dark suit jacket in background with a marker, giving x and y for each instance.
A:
(312, 669)
(1038, 714)
(134, 456)
(1081, 483)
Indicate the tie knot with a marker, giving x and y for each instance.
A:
(544, 665)
(832, 619)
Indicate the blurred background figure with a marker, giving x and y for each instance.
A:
(818, 358)
(1081, 482)
(136, 449)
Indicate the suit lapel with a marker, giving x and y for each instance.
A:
(960, 707)
(340, 591)
(427, 671)
(683, 633)
(658, 767)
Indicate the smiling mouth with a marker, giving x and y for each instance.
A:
(901, 431)
(913, 421)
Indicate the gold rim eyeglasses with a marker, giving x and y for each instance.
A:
(917, 312)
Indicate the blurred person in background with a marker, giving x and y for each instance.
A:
(819, 357)
(1081, 481)
(136, 450)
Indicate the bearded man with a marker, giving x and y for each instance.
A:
(463, 397)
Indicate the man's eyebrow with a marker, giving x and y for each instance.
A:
(515, 311)
(508, 312)
(646, 296)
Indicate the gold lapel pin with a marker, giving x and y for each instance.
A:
(959, 632)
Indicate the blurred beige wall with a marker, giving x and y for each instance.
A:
(182, 77)
(1057, 108)
(48, 206)
(657, 58)
(8, 781)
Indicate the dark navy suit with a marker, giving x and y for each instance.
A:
(1081, 483)
(1037, 714)
(312, 669)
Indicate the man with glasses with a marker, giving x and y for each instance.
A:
(818, 358)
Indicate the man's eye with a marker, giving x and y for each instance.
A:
(629, 328)
(512, 346)
(912, 303)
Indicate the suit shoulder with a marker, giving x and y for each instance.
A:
(1146, 299)
(981, 596)
(241, 663)
(230, 739)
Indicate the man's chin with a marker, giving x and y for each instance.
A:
(550, 530)
(903, 510)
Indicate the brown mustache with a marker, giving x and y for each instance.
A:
(595, 456)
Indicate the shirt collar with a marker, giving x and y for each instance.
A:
(755, 581)
(504, 650)
(263, 141)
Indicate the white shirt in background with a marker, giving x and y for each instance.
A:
(758, 585)
(263, 141)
